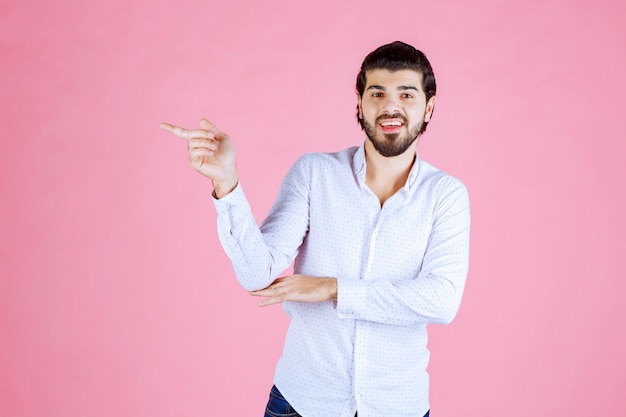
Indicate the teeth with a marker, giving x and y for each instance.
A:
(391, 124)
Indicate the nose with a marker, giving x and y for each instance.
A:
(391, 105)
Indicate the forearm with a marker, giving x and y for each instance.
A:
(427, 299)
(243, 242)
(260, 254)
(299, 288)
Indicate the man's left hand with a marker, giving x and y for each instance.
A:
(301, 288)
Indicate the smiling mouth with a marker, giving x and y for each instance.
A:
(391, 125)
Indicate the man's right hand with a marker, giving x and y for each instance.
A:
(211, 153)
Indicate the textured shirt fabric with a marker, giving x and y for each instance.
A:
(398, 268)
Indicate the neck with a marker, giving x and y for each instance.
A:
(386, 175)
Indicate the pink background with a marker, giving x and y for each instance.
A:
(115, 296)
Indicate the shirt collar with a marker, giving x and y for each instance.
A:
(359, 165)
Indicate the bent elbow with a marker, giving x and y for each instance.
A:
(446, 309)
(253, 280)
(448, 315)
(252, 286)
(250, 283)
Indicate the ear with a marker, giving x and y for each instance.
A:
(359, 106)
(430, 106)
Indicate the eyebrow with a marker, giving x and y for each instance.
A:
(400, 87)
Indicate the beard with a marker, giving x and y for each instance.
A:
(391, 144)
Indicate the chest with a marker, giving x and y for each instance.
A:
(351, 225)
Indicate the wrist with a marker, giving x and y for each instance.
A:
(223, 188)
(332, 289)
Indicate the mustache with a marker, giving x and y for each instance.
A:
(390, 116)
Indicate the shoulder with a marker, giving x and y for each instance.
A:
(320, 168)
(316, 161)
(440, 182)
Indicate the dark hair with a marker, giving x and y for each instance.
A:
(397, 56)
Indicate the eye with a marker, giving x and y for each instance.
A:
(377, 94)
(407, 95)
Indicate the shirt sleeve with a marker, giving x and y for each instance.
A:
(260, 254)
(434, 296)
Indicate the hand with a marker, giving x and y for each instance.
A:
(302, 288)
(211, 153)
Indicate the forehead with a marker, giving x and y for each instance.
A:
(391, 79)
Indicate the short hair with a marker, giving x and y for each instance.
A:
(397, 56)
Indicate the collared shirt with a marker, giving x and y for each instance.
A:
(399, 267)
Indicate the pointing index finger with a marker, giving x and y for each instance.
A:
(177, 130)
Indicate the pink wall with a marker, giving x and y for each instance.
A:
(115, 296)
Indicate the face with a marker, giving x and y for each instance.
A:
(393, 108)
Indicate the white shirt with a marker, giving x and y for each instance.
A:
(398, 268)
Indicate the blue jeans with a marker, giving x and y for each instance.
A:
(277, 406)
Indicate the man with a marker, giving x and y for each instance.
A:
(380, 241)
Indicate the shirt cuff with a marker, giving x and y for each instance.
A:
(236, 198)
(351, 299)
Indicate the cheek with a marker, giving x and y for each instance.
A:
(368, 112)
(417, 113)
